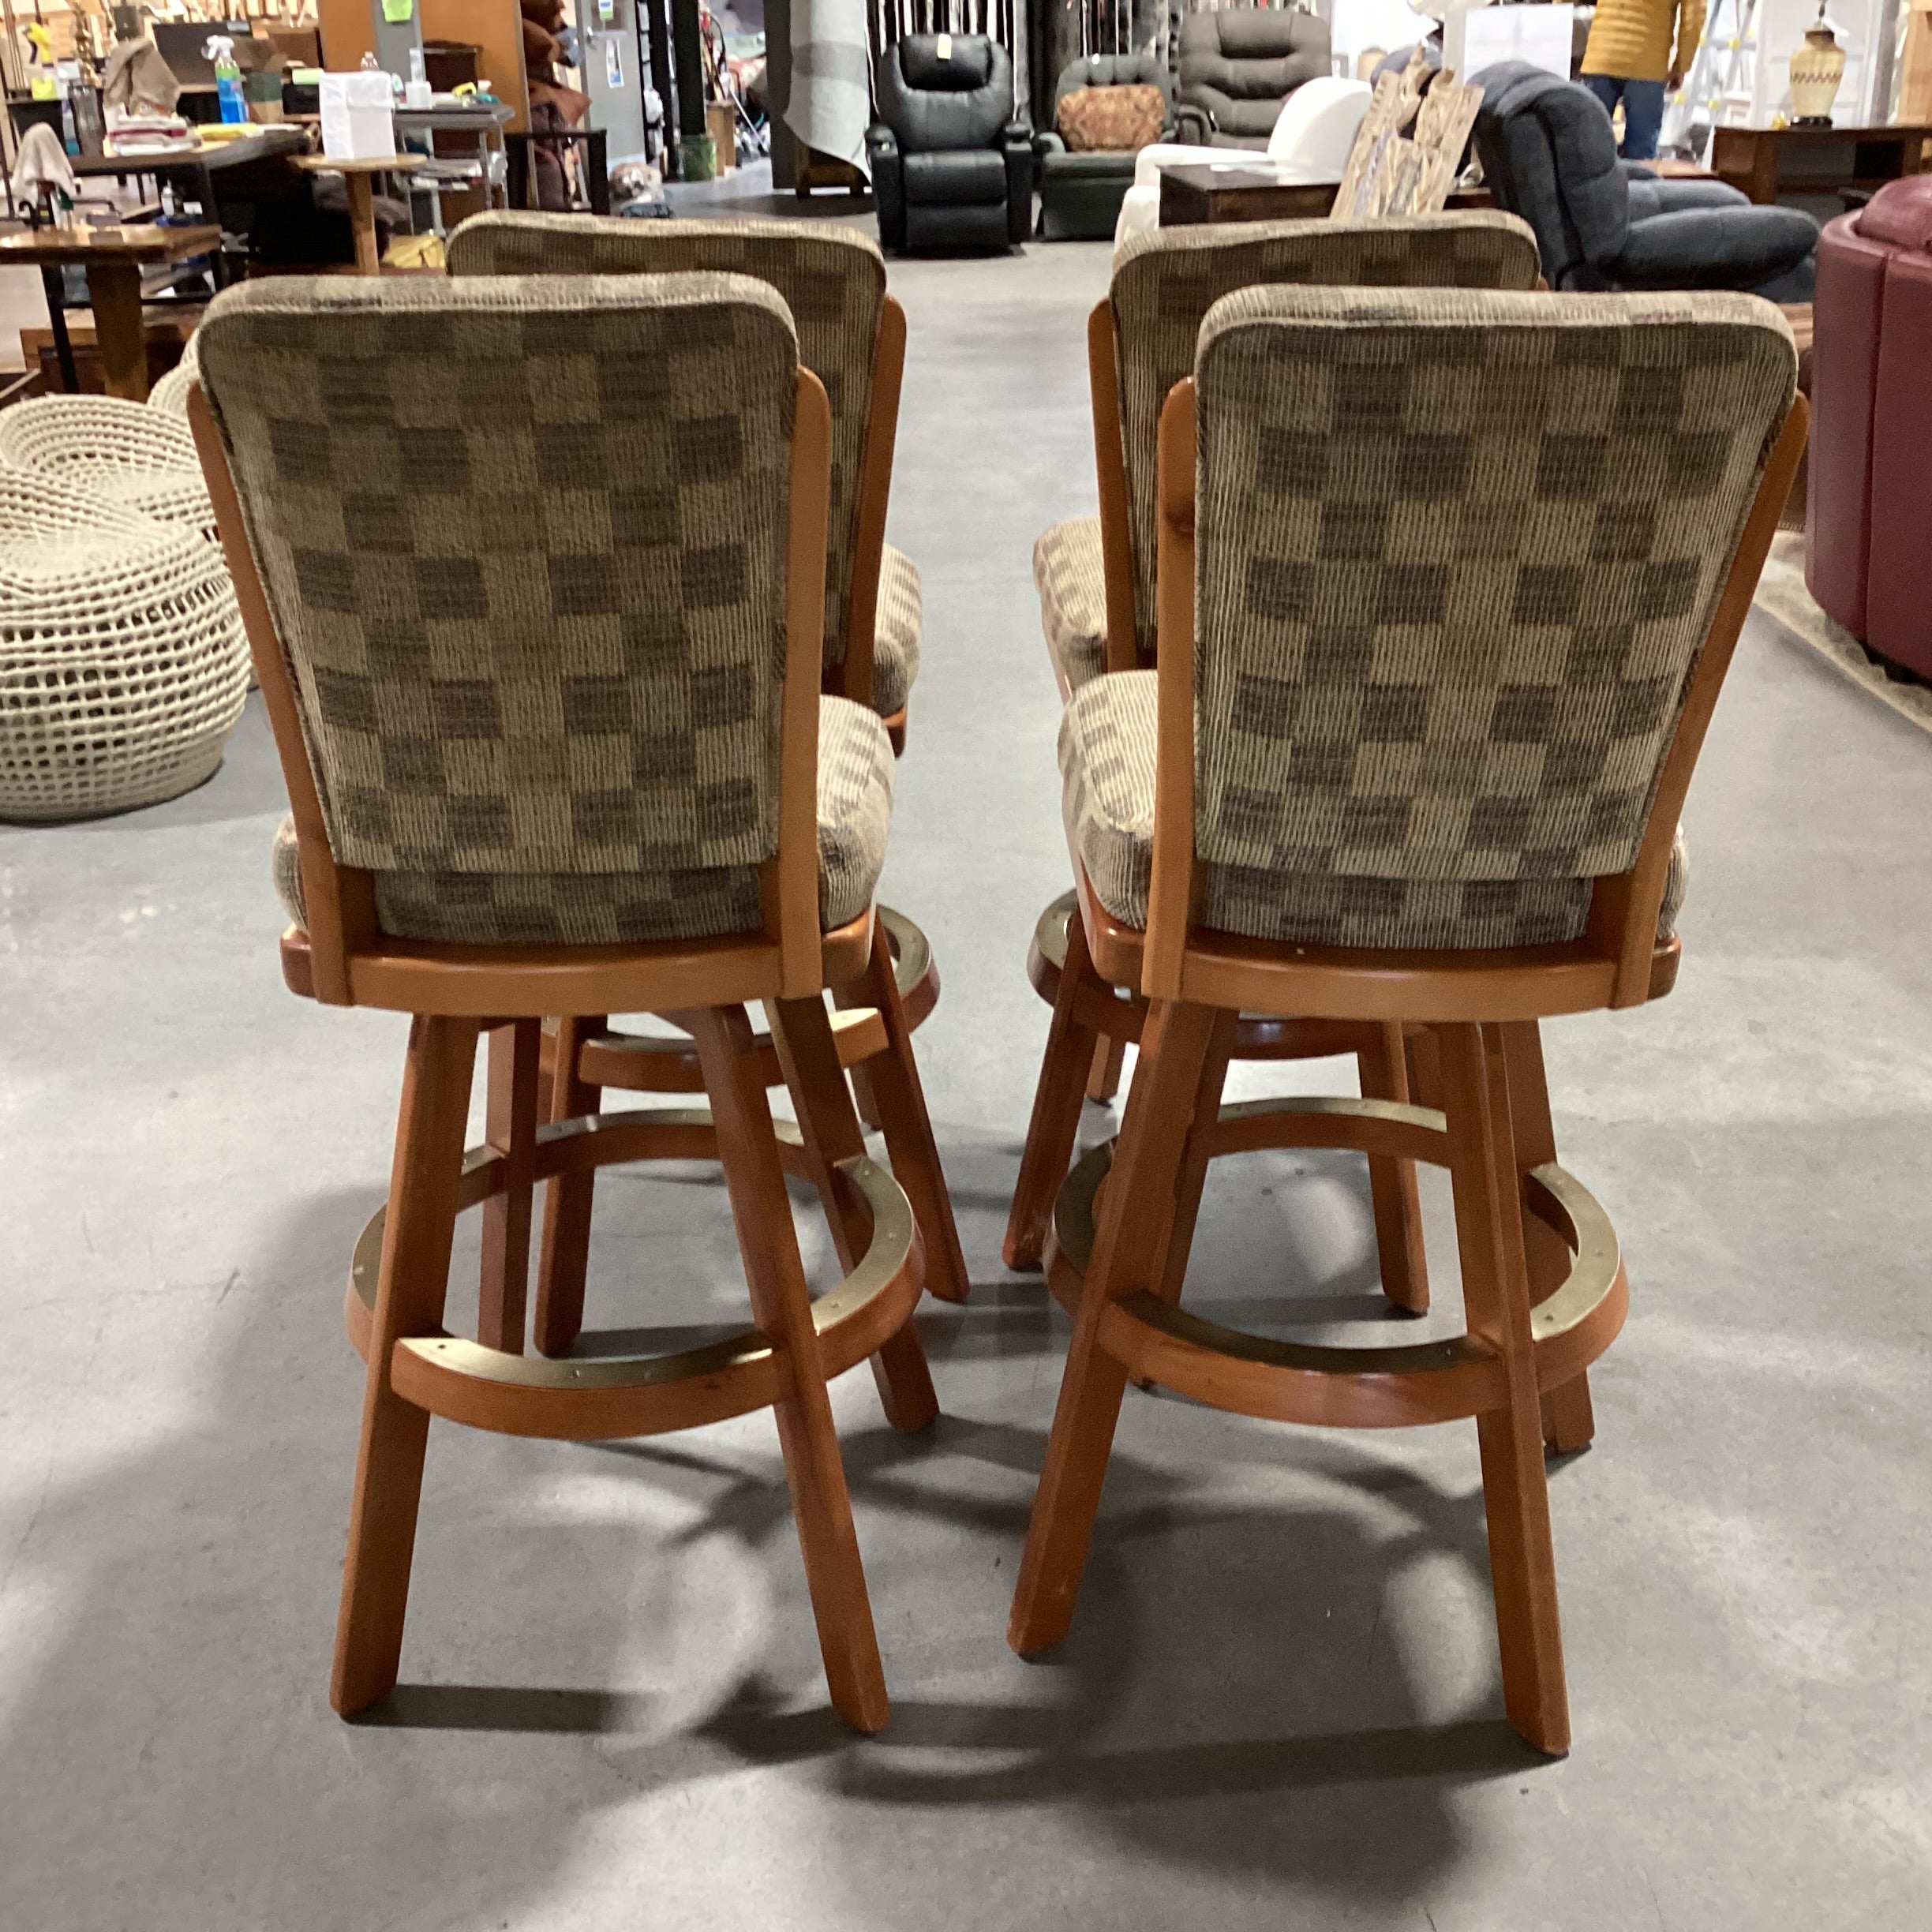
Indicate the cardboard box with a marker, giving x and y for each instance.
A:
(356, 123)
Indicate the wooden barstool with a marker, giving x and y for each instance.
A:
(1448, 583)
(559, 746)
(1096, 579)
(852, 336)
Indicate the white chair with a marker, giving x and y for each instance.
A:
(123, 667)
(1315, 130)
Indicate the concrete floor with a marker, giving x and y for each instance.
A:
(1278, 1706)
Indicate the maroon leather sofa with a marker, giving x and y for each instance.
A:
(1868, 528)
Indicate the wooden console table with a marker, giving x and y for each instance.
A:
(1767, 162)
(113, 258)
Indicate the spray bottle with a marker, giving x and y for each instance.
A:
(220, 49)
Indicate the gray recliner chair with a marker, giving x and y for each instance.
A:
(1549, 155)
(1081, 194)
(1237, 66)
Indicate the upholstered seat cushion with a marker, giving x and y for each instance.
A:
(855, 815)
(968, 174)
(897, 629)
(1070, 574)
(1107, 759)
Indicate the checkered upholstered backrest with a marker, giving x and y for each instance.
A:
(832, 280)
(1165, 281)
(1456, 554)
(523, 542)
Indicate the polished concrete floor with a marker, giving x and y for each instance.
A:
(1278, 1706)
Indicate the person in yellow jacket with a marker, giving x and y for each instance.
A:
(1637, 51)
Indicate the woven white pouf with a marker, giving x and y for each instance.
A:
(125, 454)
(169, 395)
(123, 666)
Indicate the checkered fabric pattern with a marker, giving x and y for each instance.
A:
(832, 280)
(896, 631)
(524, 544)
(1456, 554)
(1167, 280)
(856, 768)
(1070, 572)
(1108, 735)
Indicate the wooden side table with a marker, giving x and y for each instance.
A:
(1766, 163)
(361, 176)
(113, 258)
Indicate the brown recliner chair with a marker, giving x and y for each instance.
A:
(1868, 530)
(1238, 66)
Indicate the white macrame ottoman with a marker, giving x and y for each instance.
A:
(123, 666)
(129, 455)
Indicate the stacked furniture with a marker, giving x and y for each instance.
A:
(1238, 66)
(1082, 183)
(1548, 154)
(1868, 533)
(952, 166)
(122, 665)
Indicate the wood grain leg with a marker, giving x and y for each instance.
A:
(1569, 1419)
(1054, 1125)
(1383, 1065)
(1135, 1210)
(1496, 1294)
(362, 223)
(781, 1304)
(565, 1256)
(1425, 1065)
(511, 1133)
(908, 1128)
(829, 1125)
(114, 295)
(411, 1287)
(1103, 1076)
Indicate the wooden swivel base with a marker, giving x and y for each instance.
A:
(600, 1399)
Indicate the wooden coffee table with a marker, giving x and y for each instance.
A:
(114, 259)
(1258, 189)
(1767, 162)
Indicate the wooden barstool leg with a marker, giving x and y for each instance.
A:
(1136, 1210)
(908, 1128)
(1103, 1076)
(413, 1279)
(565, 1256)
(1071, 1050)
(829, 1125)
(781, 1306)
(1383, 1064)
(511, 1133)
(1496, 1294)
(1569, 1419)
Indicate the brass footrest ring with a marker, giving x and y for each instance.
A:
(1389, 1387)
(668, 1062)
(596, 1399)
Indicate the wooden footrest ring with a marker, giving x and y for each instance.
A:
(1389, 1386)
(599, 1399)
(668, 1062)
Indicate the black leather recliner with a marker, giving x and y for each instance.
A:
(1548, 154)
(1238, 65)
(951, 168)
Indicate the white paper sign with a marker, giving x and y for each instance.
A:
(1539, 35)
